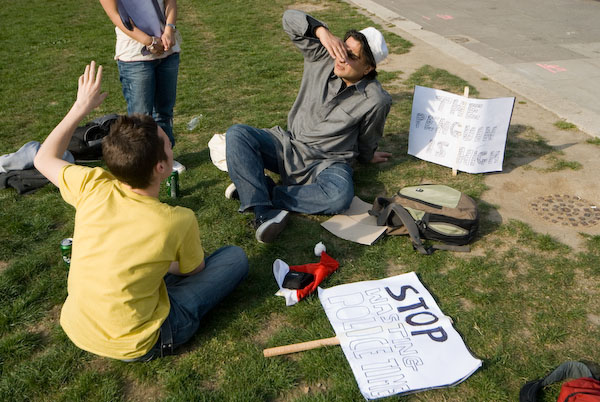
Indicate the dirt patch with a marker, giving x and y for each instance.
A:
(594, 319)
(44, 326)
(466, 304)
(394, 269)
(3, 266)
(446, 268)
(309, 7)
(274, 324)
(304, 389)
(524, 333)
(137, 392)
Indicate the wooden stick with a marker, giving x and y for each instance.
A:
(454, 169)
(299, 347)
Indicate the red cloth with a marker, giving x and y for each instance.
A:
(320, 270)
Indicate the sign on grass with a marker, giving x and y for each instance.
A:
(458, 132)
(395, 337)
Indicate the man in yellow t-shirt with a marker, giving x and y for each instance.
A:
(138, 283)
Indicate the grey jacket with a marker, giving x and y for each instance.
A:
(326, 125)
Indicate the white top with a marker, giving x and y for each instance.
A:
(128, 49)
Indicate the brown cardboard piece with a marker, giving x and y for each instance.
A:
(355, 224)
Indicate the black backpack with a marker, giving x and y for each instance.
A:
(429, 211)
(86, 143)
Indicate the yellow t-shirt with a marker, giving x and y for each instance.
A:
(122, 247)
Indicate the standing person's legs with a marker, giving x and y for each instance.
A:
(166, 72)
(248, 152)
(330, 193)
(137, 82)
(193, 296)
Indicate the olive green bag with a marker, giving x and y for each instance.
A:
(429, 211)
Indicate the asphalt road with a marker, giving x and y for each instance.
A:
(545, 50)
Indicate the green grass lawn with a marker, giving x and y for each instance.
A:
(523, 302)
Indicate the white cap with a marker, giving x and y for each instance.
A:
(376, 43)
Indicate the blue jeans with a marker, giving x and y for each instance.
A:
(193, 296)
(150, 87)
(250, 150)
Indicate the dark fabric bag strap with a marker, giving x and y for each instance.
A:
(411, 226)
(142, 10)
(166, 339)
(413, 229)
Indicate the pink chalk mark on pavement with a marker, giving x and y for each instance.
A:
(426, 18)
(445, 17)
(553, 68)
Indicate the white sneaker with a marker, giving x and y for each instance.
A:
(231, 192)
(178, 167)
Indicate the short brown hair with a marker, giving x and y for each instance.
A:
(132, 149)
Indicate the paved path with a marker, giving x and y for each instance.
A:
(545, 50)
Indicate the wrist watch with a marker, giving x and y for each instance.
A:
(172, 26)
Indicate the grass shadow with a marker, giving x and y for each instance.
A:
(524, 146)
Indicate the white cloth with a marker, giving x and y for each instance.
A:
(216, 147)
(280, 270)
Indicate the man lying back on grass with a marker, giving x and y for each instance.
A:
(138, 282)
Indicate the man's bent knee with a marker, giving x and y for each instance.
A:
(236, 131)
(240, 255)
(239, 259)
(339, 202)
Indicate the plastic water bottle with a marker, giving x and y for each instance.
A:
(194, 122)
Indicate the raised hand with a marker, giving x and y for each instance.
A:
(89, 95)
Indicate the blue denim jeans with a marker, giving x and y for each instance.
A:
(150, 87)
(191, 297)
(250, 150)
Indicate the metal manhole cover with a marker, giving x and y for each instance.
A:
(566, 210)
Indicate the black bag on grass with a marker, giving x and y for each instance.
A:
(86, 143)
(430, 211)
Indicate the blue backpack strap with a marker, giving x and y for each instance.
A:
(148, 19)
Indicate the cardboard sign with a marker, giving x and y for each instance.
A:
(458, 132)
(395, 337)
(355, 224)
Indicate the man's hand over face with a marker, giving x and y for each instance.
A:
(334, 45)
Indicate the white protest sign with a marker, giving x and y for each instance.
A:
(395, 337)
(458, 132)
